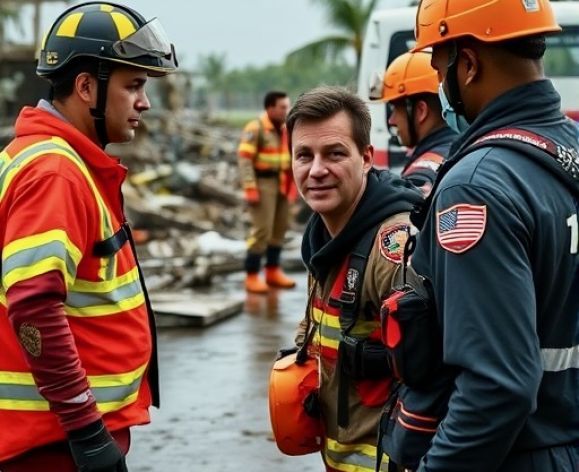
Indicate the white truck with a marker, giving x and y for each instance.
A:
(391, 32)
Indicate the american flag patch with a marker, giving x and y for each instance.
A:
(460, 227)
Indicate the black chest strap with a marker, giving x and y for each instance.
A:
(110, 246)
(349, 305)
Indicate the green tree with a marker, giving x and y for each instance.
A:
(9, 12)
(213, 68)
(350, 18)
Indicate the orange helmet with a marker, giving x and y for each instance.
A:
(438, 21)
(409, 74)
(296, 432)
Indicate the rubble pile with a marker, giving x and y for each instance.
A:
(183, 198)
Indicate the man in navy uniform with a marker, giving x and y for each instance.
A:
(500, 242)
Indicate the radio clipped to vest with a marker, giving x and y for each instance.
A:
(410, 330)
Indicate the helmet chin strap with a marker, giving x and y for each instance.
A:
(410, 107)
(454, 97)
(98, 113)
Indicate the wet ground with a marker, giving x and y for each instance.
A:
(214, 412)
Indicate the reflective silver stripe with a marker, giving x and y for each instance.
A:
(356, 459)
(330, 332)
(86, 299)
(30, 256)
(556, 360)
(22, 156)
(101, 394)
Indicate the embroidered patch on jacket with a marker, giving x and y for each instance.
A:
(392, 242)
(460, 227)
(30, 339)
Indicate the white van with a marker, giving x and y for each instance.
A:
(391, 33)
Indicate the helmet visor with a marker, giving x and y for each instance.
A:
(149, 40)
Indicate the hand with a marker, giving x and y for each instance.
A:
(94, 449)
(251, 196)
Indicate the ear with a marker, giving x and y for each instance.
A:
(85, 86)
(472, 63)
(368, 156)
(420, 111)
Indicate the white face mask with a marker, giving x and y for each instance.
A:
(455, 121)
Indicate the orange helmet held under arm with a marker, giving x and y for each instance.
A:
(290, 385)
(409, 74)
(439, 21)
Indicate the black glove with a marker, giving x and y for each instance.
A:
(94, 449)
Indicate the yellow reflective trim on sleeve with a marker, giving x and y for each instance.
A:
(69, 25)
(39, 239)
(247, 147)
(124, 26)
(109, 309)
(47, 265)
(11, 173)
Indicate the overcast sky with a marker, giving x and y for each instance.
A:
(253, 32)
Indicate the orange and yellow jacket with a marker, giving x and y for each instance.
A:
(264, 151)
(76, 334)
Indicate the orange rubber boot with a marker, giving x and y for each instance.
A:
(254, 283)
(275, 277)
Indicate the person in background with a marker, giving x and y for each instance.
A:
(268, 189)
(78, 366)
(361, 215)
(410, 87)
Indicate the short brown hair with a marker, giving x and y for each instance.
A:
(324, 102)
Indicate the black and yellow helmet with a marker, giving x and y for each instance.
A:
(109, 32)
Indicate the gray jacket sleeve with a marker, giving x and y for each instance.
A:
(486, 303)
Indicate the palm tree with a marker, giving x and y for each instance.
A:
(350, 17)
(9, 12)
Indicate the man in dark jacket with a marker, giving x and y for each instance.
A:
(329, 131)
(410, 87)
(500, 243)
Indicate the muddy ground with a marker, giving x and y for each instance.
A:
(214, 412)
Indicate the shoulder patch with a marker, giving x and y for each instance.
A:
(460, 227)
(392, 241)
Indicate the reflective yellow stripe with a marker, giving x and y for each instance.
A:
(69, 25)
(361, 328)
(352, 457)
(107, 309)
(113, 389)
(124, 26)
(60, 147)
(248, 148)
(82, 286)
(34, 255)
(114, 380)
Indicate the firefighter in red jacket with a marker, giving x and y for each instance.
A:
(78, 365)
(410, 86)
(264, 163)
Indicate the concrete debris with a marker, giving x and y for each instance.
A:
(183, 198)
